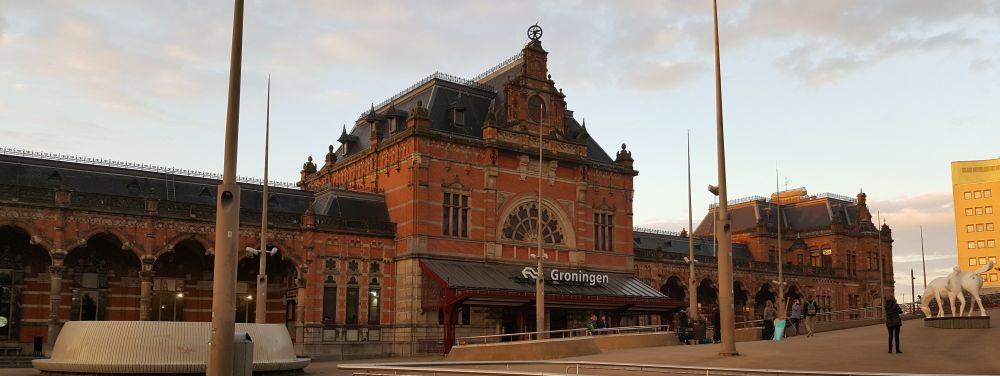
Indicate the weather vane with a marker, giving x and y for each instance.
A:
(535, 32)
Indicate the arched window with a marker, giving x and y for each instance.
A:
(520, 225)
(536, 108)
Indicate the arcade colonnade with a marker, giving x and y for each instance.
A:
(104, 275)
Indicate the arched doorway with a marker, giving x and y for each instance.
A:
(674, 288)
(793, 294)
(281, 288)
(103, 279)
(707, 295)
(740, 298)
(21, 264)
(763, 295)
(182, 284)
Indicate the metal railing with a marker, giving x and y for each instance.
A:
(840, 315)
(135, 166)
(504, 368)
(530, 336)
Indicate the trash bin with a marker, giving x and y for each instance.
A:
(242, 354)
(38, 346)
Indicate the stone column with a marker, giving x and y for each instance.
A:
(55, 289)
(300, 305)
(145, 294)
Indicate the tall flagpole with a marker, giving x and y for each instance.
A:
(260, 314)
(782, 305)
(922, 261)
(881, 262)
(540, 280)
(692, 289)
(726, 314)
(227, 221)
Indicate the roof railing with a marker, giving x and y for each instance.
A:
(498, 67)
(435, 75)
(656, 231)
(135, 166)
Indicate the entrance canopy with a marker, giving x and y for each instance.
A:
(474, 283)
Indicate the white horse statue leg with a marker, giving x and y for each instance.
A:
(973, 282)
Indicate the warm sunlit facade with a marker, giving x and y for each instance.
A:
(974, 184)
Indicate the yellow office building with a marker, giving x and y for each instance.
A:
(975, 185)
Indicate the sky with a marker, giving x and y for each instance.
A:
(831, 95)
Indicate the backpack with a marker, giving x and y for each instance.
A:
(811, 308)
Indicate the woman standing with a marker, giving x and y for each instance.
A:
(769, 315)
(796, 315)
(893, 322)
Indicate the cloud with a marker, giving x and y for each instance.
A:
(665, 76)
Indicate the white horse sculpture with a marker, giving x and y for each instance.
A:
(934, 290)
(960, 281)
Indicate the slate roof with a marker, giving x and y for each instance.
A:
(439, 93)
(676, 244)
(810, 214)
(99, 179)
(502, 277)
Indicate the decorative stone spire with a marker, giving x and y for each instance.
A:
(535, 57)
(308, 168)
(624, 157)
(331, 157)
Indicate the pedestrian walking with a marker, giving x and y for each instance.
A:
(811, 309)
(796, 315)
(893, 322)
(769, 315)
(602, 324)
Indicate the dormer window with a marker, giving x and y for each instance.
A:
(393, 124)
(458, 116)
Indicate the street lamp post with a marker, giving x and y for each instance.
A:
(246, 312)
(725, 260)
(177, 299)
(692, 289)
(261, 315)
(227, 221)
(540, 279)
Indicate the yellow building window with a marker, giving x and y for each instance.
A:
(993, 277)
(988, 193)
(970, 228)
(972, 261)
(981, 244)
(982, 261)
(977, 194)
(972, 245)
(989, 210)
(989, 227)
(979, 211)
(968, 212)
(979, 227)
(991, 243)
(968, 195)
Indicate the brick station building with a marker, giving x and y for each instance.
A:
(415, 230)
(829, 244)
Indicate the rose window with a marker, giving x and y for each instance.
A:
(521, 225)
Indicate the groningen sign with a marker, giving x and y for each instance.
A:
(571, 277)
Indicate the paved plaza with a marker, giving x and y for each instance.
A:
(925, 350)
